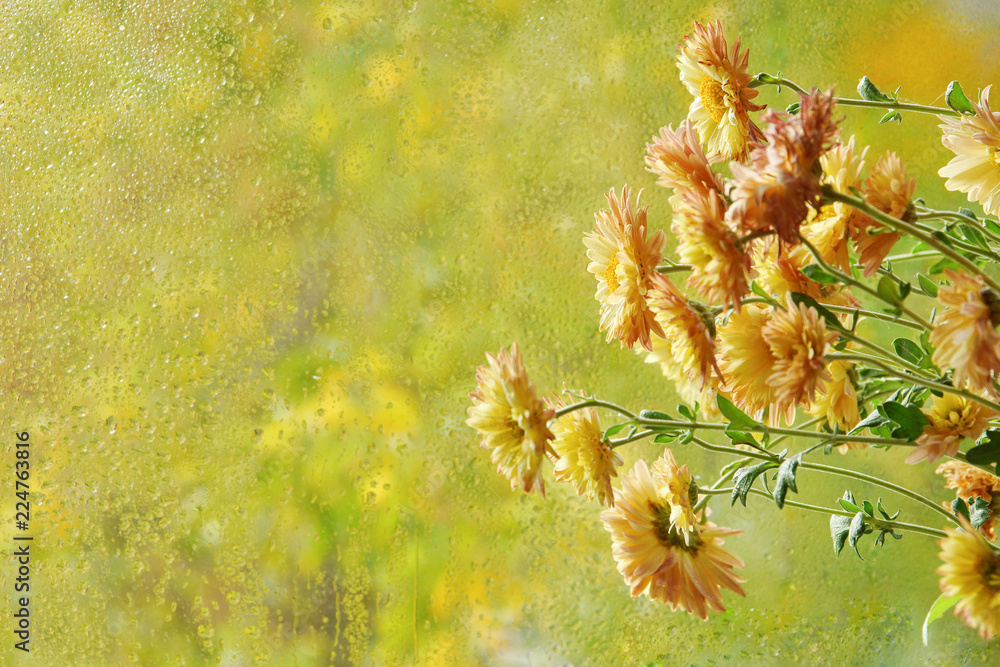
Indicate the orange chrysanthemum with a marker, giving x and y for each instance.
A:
(888, 190)
(974, 140)
(779, 272)
(690, 389)
(680, 163)
(837, 400)
(512, 420)
(965, 335)
(623, 261)
(718, 262)
(688, 326)
(798, 339)
(654, 557)
(678, 489)
(777, 191)
(827, 229)
(720, 84)
(972, 570)
(971, 482)
(585, 459)
(746, 361)
(952, 418)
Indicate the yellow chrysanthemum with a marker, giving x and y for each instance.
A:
(779, 271)
(975, 169)
(585, 459)
(623, 260)
(837, 399)
(688, 326)
(719, 82)
(690, 389)
(677, 488)
(972, 570)
(827, 230)
(656, 560)
(718, 263)
(512, 419)
(746, 361)
(888, 190)
(971, 482)
(798, 339)
(952, 418)
(680, 163)
(965, 335)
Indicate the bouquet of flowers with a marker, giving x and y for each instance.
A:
(786, 245)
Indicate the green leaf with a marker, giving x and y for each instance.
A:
(940, 606)
(909, 417)
(655, 414)
(891, 116)
(975, 236)
(744, 478)
(925, 342)
(686, 412)
(992, 226)
(785, 480)
(742, 438)
(868, 508)
(941, 265)
(664, 438)
(959, 508)
(927, 285)
(759, 291)
(737, 418)
(987, 449)
(612, 430)
(816, 273)
(957, 100)
(840, 526)
(869, 91)
(686, 437)
(888, 289)
(873, 419)
(979, 512)
(848, 505)
(793, 108)
(857, 529)
(885, 514)
(809, 302)
(908, 350)
(969, 213)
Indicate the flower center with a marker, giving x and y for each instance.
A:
(667, 534)
(713, 98)
(991, 151)
(611, 275)
(990, 571)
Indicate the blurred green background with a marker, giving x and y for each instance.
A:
(252, 254)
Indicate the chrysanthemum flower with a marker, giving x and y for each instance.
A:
(654, 557)
(719, 263)
(952, 418)
(888, 190)
(688, 326)
(776, 192)
(972, 570)
(837, 399)
(623, 261)
(689, 388)
(971, 482)
(680, 163)
(779, 272)
(974, 140)
(745, 359)
(512, 420)
(965, 335)
(798, 339)
(585, 459)
(677, 488)
(827, 229)
(719, 82)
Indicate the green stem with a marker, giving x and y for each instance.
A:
(632, 438)
(923, 382)
(885, 354)
(873, 315)
(673, 268)
(961, 245)
(759, 80)
(596, 403)
(676, 424)
(895, 259)
(732, 450)
(905, 227)
(931, 214)
(895, 525)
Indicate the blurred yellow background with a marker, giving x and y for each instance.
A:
(252, 254)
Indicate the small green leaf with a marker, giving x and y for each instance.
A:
(737, 418)
(816, 273)
(969, 213)
(786, 479)
(742, 438)
(868, 509)
(908, 350)
(873, 419)
(857, 529)
(941, 265)
(840, 526)
(957, 100)
(959, 508)
(848, 505)
(612, 430)
(909, 417)
(979, 512)
(686, 437)
(885, 514)
(869, 91)
(891, 116)
(927, 285)
(686, 412)
(992, 226)
(744, 478)
(664, 438)
(888, 289)
(793, 108)
(940, 606)
(760, 291)
(809, 302)
(987, 449)
(655, 414)
(974, 236)
(925, 342)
